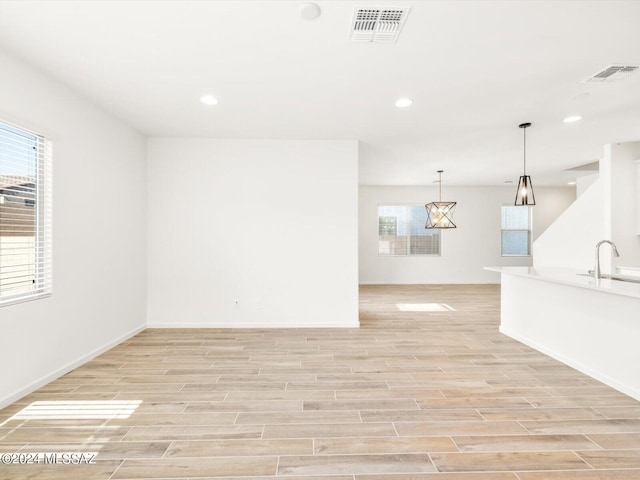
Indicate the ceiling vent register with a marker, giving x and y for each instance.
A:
(377, 24)
(612, 73)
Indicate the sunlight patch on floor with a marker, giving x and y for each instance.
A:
(77, 410)
(424, 307)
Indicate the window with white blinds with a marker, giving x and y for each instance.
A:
(516, 230)
(401, 231)
(25, 215)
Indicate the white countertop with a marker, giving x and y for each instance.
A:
(566, 276)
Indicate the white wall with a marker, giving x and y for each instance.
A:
(637, 199)
(466, 249)
(605, 210)
(624, 231)
(570, 241)
(584, 182)
(99, 234)
(270, 223)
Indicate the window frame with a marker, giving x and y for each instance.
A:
(529, 231)
(43, 232)
(408, 254)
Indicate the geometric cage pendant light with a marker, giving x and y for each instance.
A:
(524, 194)
(440, 214)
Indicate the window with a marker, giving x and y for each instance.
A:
(401, 231)
(25, 219)
(516, 231)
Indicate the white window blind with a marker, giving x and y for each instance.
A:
(401, 231)
(25, 215)
(516, 230)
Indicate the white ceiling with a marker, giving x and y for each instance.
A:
(475, 70)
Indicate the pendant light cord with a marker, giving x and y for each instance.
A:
(525, 150)
(440, 182)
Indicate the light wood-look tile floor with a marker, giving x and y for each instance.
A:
(431, 395)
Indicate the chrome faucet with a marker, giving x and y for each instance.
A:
(596, 273)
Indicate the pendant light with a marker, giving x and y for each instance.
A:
(524, 194)
(440, 214)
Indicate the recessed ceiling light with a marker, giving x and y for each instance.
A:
(403, 102)
(508, 181)
(209, 100)
(571, 183)
(573, 118)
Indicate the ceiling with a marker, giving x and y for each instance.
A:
(474, 70)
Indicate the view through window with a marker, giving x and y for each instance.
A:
(516, 230)
(401, 231)
(25, 221)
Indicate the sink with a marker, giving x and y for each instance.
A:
(618, 277)
(623, 278)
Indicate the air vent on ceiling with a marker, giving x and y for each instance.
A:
(612, 73)
(377, 24)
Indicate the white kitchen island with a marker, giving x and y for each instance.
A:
(593, 326)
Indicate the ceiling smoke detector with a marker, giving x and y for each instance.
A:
(377, 24)
(612, 73)
(310, 11)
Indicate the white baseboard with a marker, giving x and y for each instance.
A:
(259, 326)
(607, 380)
(433, 283)
(9, 399)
